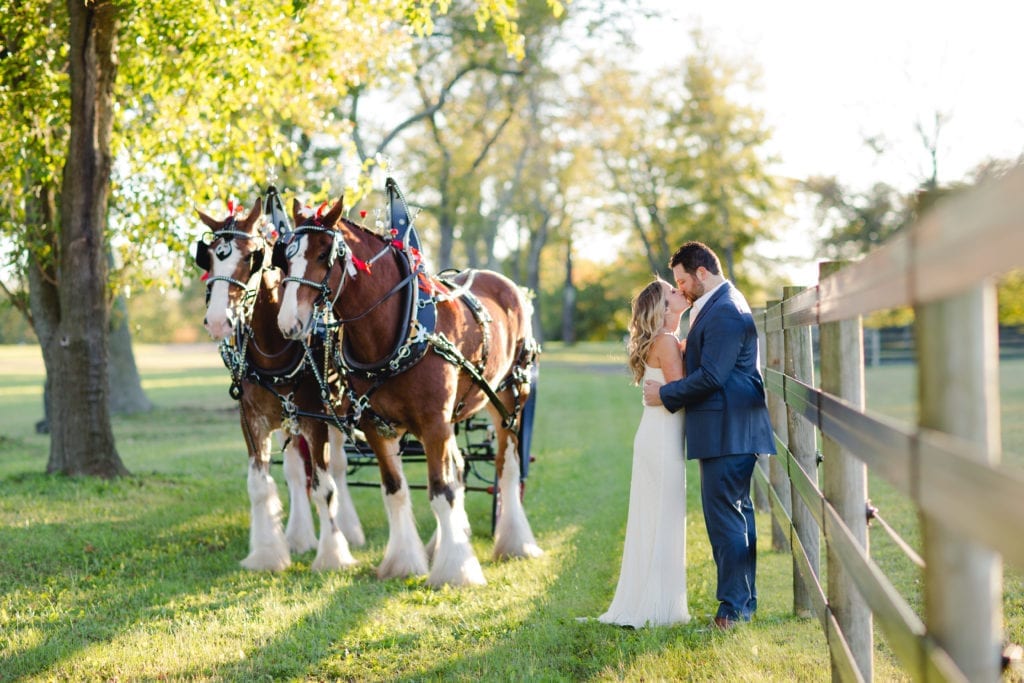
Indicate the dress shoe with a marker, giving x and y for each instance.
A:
(724, 623)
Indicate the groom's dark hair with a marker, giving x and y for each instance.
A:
(693, 255)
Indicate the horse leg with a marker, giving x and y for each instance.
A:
(348, 518)
(404, 555)
(512, 534)
(267, 546)
(454, 562)
(459, 516)
(332, 551)
(299, 531)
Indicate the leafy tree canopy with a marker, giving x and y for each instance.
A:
(212, 100)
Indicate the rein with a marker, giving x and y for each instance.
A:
(415, 336)
(346, 254)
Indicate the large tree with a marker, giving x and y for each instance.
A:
(208, 92)
(463, 92)
(685, 155)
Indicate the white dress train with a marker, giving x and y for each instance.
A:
(652, 579)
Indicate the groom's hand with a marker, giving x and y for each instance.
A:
(652, 393)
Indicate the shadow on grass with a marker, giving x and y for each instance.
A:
(159, 559)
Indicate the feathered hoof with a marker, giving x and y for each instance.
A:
(300, 542)
(266, 560)
(333, 562)
(515, 551)
(459, 569)
(400, 567)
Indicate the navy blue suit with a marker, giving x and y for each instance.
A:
(726, 426)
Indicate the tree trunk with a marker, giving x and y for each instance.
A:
(568, 300)
(81, 437)
(125, 385)
(534, 248)
(446, 226)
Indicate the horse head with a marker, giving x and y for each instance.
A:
(230, 258)
(313, 258)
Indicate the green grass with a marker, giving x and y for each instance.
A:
(138, 579)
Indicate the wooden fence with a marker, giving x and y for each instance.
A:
(971, 507)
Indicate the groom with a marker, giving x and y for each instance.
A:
(726, 420)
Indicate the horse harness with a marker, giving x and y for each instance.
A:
(417, 333)
(236, 350)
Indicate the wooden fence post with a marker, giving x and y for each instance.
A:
(760, 495)
(845, 479)
(774, 354)
(799, 361)
(958, 358)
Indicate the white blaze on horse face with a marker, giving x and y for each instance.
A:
(218, 314)
(290, 318)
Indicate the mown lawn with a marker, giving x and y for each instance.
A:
(138, 579)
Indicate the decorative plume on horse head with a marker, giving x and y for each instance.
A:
(417, 358)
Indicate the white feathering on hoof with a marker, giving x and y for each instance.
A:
(267, 547)
(454, 561)
(299, 531)
(460, 506)
(512, 534)
(333, 551)
(347, 517)
(404, 555)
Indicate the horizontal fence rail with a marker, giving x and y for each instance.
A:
(972, 507)
(926, 465)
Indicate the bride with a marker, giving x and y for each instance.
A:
(652, 579)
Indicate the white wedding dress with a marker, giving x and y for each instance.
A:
(652, 579)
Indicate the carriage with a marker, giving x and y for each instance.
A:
(378, 406)
(476, 443)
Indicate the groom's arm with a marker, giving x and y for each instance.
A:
(723, 339)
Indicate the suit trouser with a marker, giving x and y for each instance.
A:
(729, 519)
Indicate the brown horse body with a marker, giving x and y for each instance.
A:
(260, 351)
(359, 274)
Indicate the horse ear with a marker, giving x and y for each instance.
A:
(257, 209)
(296, 208)
(208, 221)
(335, 213)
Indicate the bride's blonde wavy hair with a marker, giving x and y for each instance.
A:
(648, 316)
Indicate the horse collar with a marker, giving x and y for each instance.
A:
(417, 325)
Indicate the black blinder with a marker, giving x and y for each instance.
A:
(279, 259)
(255, 260)
(202, 255)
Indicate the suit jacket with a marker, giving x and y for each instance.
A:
(723, 392)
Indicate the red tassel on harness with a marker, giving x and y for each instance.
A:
(361, 264)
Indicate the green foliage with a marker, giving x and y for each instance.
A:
(14, 328)
(502, 15)
(213, 100)
(1011, 298)
(854, 223)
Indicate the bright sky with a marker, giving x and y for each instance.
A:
(835, 73)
